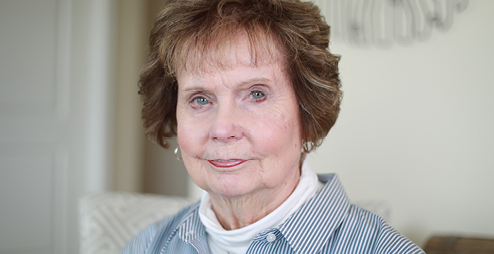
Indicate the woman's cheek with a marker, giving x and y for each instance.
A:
(277, 120)
(284, 127)
(192, 134)
(184, 139)
(273, 130)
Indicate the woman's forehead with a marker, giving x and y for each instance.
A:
(239, 49)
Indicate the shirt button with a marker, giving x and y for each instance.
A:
(271, 237)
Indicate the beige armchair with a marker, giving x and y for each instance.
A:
(108, 221)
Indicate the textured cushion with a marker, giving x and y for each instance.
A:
(108, 221)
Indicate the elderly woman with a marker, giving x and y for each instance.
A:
(249, 87)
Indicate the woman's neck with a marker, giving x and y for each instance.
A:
(238, 212)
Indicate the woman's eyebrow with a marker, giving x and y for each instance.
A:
(242, 83)
(253, 81)
(197, 88)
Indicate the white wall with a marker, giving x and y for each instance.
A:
(416, 128)
(56, 74)
(129, 133)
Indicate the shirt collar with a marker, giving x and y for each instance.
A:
(314, 223)
(191, 230)
(307, 231)
(190, 226)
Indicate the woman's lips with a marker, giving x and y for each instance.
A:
(226, 163)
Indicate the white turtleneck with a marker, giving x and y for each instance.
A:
(237, 241)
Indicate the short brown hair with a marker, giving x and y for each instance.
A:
(297, 28)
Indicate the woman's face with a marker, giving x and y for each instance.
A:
(238, 125)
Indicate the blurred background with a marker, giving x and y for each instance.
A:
(415, 130)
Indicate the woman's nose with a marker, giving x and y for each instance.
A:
(226, 124)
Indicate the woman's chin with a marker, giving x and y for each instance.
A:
(231, 187)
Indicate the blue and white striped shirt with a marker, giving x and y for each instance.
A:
(327, 223)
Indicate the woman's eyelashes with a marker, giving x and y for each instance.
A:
(257, 95)
(198, 100)
(201, 101)
(258, 92)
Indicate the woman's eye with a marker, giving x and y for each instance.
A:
(257, 94)
(201, 101)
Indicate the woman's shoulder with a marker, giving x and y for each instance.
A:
(159, 231)
(374, 230)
